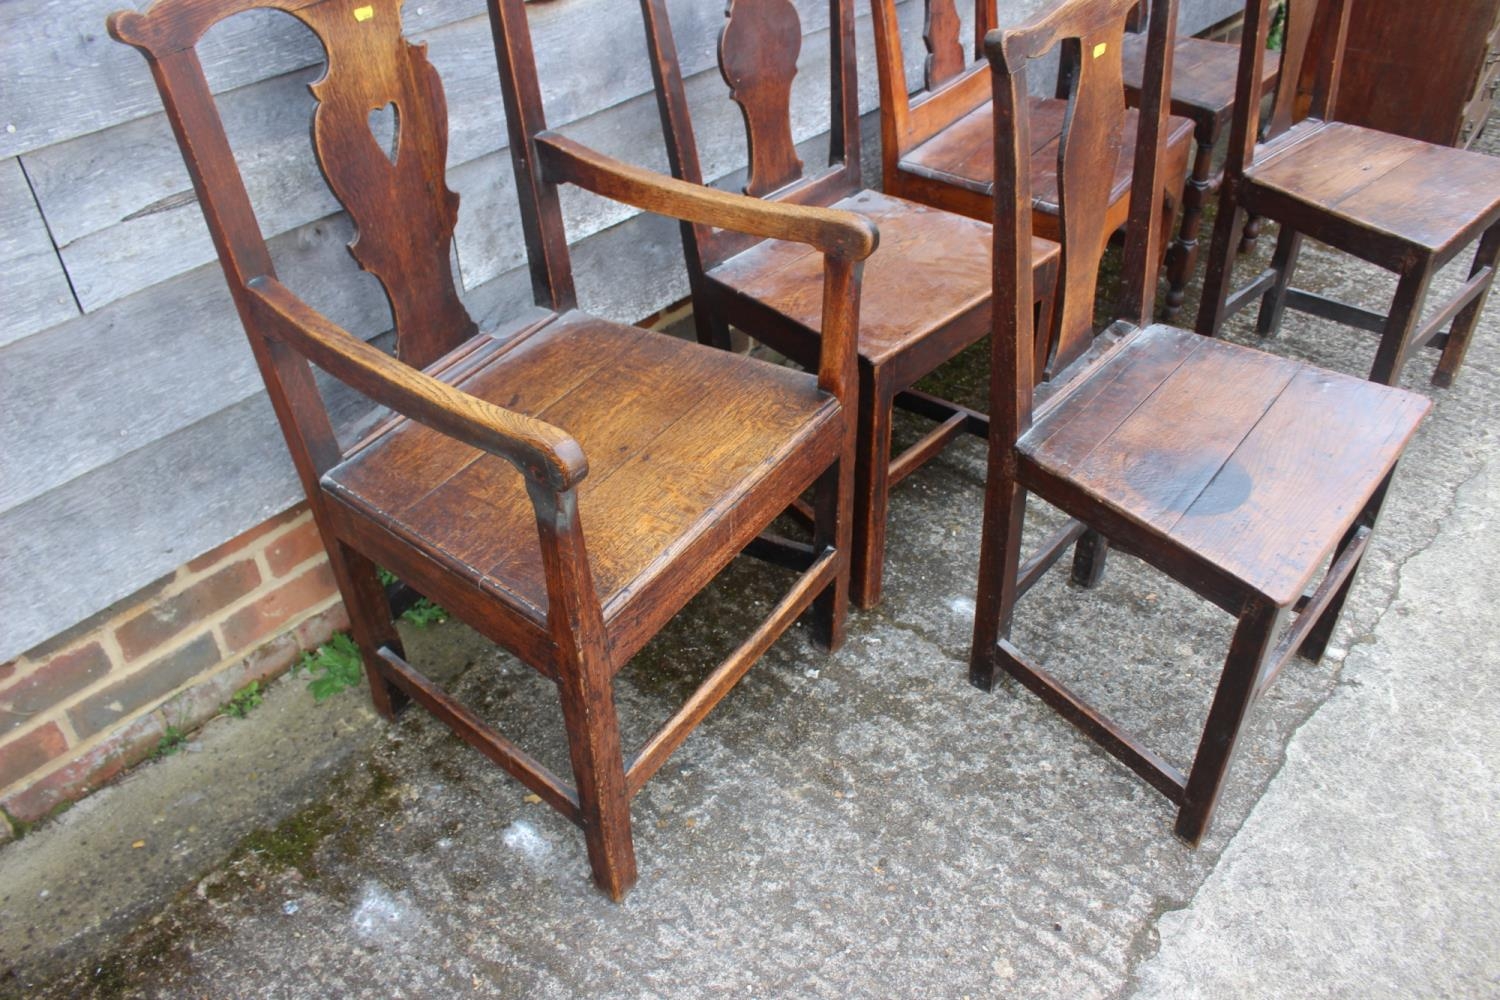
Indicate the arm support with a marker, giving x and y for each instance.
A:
(545, 454)
(845, 235)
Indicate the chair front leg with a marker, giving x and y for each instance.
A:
(1402, 321)
(1284, 263)
(1218, 280)
(872, 487)
(370, 621)
(1315, 643)
(1487, 256)
(833, 526)
(1253, 641)
(586, 688)
(1182, 257)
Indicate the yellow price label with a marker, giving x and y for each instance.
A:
(1100, 49)
(365, 13)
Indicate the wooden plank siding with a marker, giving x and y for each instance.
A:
(135, 435)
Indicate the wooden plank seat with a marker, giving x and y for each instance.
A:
(937, 141)
(676, 434)
(926, 293)
(1153, 447)
(1252, 480)
(562, 484)
(1401, 204)
(962, 156)
(926, 256)
(1203, 91)
(1367, 179)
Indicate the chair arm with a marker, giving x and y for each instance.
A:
(546, 454)
(838, 233)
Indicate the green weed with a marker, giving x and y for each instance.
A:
(245, 700)
(171, 741)
(335, 666)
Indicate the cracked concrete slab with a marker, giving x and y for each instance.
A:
(1371, 866)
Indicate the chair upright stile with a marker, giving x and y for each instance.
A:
(1185, 451)
(561, 483)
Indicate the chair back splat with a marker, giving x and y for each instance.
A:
(1090, 146)
(477, 491)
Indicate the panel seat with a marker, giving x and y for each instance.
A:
(1258, 485)
(963, 154)
(1435, 199)
(1203, 76)
(932, 266)
(665, 465)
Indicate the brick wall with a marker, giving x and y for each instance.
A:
(82, 707)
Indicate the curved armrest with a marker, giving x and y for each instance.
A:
(846, 235)
(546, 454)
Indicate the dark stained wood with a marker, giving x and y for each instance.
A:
(758, 51)
(927, 289)
(1405, 205)
(945, 51)
(1446, 57)
(1190, 453)
(562, 483)
(937, 143)
(1203, 91)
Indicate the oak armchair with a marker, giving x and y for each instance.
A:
(561, 483)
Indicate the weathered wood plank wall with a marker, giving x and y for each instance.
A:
(134, 434)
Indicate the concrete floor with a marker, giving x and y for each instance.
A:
(865, 824)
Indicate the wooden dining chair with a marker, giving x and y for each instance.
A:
(1401, 204)
(1203, 90)
(1188, 452)
(561, 483)
(937, 142)
(926, 294)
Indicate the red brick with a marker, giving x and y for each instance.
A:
(318, 629)
(100, 711)
(25, 754)
(88, 772)
(254, 622)
(171, 616)
(7, 670)
(239, 542)
(50, 684)
(294, 548)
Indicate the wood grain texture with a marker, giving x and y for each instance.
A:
(1404, 205)
(32, 281)
(1188, 452)
(758, 51)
